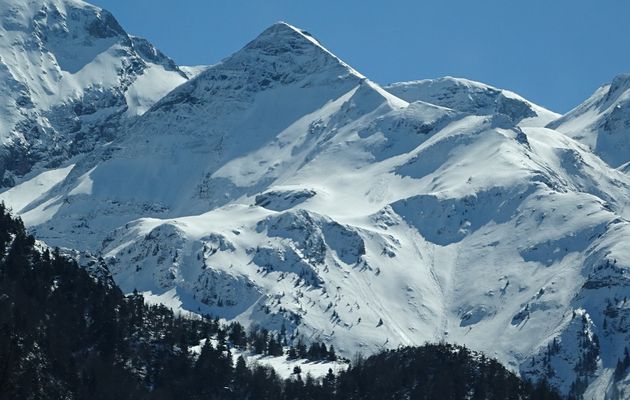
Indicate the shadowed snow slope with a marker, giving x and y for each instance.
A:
(282, 188)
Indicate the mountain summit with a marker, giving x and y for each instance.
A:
(283, 42)
(281, 56)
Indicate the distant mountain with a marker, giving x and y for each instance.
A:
(281, 188)
(69, 77)
(473, 98)
(602, 122)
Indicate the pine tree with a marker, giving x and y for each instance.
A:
(302, 352)
(332, 356)
(292, 354)
(237, 335)
(274, 347)
(328, 384)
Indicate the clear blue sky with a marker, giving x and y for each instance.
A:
(553, 52)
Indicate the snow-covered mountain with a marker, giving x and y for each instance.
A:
(69, 75)
(280, 187)
(474, 98)
(602, 122)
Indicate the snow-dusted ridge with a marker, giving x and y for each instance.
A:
(474, 98)
(280, 187)
(602, 122)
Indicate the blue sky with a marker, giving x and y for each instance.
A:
(553, 52)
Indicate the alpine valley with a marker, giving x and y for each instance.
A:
(282, 189)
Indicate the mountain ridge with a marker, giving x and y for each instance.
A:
(473, 97)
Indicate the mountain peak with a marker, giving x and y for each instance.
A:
(283, 33)
(294, 45)
(281, 56)
(472, 97)
(282, 27)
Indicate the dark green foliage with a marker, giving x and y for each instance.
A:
(64, 334)
(274, 347)
(315, 352)
(237, 335)
(438, 371)
(67, 335)
(622, 365)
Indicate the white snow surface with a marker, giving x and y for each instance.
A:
(283, 366)
(602, 122)
(193, 70)
(280, 187)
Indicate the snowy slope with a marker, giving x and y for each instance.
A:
(68, 75)
(281, 187)
(375, 259)
(192, 71)
(282, 365)
(474, 98)
(602, 122)
(187, 151)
